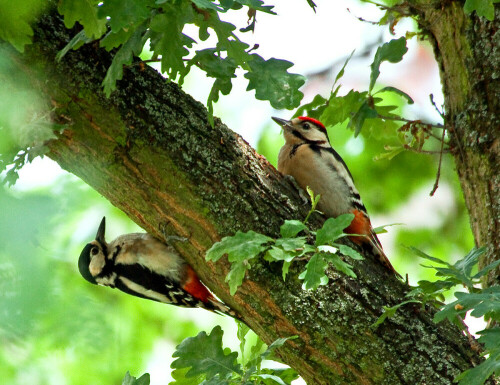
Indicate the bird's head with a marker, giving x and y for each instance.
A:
(303, 129)
(93, 257)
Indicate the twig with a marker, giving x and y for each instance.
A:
(441, 113)
(363, 20)
(439, 167)
(401, 119)
(447, 150)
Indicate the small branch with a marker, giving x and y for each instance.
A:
(439, 166)
(363, 20)
(401, 119)
(446, 150)
(441, 113)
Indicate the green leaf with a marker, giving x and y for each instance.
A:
(131, 380)
(288, 375)
(257, 5)
(358, 120)
(490, 338)
(291, 244)
(483, 8)
(390, 311)
(124, 56)
(122, 14)
(339, 264)
(271, 377)
(276, 344)
(291, 228)
(332, 229)
(203, 354)
(285, 269)
(487, 269)
(382, 230)
(278, 254)
(392, 152)
(485, 303)
(421, 254)
(314, 109)
(222, 69)
(116, 39)
(434, 288)
(341, 72)
(466, 264)
(479, 374)
(179, 376)
(239, 247)
(312, 5)
(15, 20)
(208, 4)
(341, 108)
(76, 42)
(349, 252)
(271, 81)
(392, 51)
(84, 12)
(236, 275)
(314, 274)
(397, 91)
(168, 41)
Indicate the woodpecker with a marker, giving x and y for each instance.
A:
(141, 265)
(310, 159)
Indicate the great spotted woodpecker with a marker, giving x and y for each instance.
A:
(310, 159)
(141, 265)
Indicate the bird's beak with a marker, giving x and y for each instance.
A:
(282, 122)
(100, 232)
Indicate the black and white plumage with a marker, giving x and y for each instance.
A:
(141, 265)
(309, 158)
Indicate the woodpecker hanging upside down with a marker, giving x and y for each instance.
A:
(141, 265)
(308, 156)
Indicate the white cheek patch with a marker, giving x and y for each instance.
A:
(107, 281)
(96, 265)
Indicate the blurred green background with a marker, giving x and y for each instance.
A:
(55, 328)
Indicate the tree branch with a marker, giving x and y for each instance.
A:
(150, 151)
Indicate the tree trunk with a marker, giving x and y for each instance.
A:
(467, 48)
(150, 150)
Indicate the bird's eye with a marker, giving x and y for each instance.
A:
(94, 250)
(306, 126)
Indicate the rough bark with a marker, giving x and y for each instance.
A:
(150, 150)
(467, 48)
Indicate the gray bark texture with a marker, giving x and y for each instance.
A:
(150, 151)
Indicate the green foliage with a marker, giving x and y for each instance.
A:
(272, 82)
(485, 8)
(203, 360)
(15, 20)
(242, 248)
(203, 354)
(25, 125)
(392, 52)
(479, 302)
(131, 380)
(239, 248)
(129, 24)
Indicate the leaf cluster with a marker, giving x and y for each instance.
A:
(478, 302)
(242, 248)
(369, 110)
(127, 26)
(203, 360)
(25, 125)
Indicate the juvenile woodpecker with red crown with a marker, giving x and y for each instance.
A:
(310, 159)
(141, 265)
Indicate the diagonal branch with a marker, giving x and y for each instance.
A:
(150, 151)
